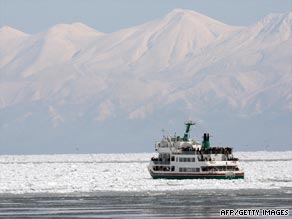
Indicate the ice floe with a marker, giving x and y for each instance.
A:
(128, 172)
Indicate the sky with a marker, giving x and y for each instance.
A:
(33, 16)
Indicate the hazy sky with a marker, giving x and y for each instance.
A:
(33, 16)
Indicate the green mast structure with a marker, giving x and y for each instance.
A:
(188, 128)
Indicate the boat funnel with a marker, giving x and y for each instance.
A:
(206, 140)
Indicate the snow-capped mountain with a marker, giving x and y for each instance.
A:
(72, 86)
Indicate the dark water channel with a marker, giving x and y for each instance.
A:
(186, 204)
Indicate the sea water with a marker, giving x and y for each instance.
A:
(182, 204)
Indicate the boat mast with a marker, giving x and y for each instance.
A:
(188, 128)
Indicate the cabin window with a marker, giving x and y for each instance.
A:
(220, 168)
(189, 170)
(161, 168)
(204, 169)
(172, 158)
(187, 159)
(172, 168)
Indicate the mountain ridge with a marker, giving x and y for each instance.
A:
(183, 65)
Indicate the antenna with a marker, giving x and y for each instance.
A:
(163, 132)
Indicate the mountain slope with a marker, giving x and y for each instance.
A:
(52, 47)
(72, 85)
(155, 45)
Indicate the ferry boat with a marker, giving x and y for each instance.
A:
(185, 158)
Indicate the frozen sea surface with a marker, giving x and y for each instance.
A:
(89, 173)
(119, 186)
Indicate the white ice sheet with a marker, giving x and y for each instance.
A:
(127, 172)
